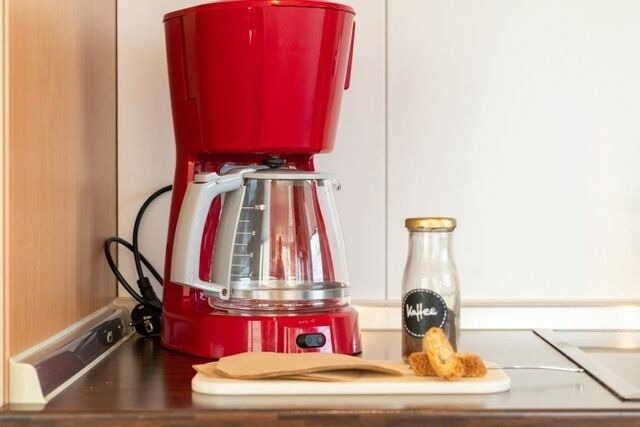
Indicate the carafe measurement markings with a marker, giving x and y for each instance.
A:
(240, 264)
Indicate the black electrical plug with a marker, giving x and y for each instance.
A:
(147, 292)
(146, 320)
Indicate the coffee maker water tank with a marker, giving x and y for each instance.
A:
(258, 76)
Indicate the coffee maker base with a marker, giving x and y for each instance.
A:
(220, 333)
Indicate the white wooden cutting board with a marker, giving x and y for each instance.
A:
(367, 383)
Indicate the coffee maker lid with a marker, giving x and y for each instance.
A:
(248, 4)
(287, 174)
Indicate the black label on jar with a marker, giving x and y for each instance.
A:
(422, 309)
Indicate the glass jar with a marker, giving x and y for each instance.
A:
(430, 285)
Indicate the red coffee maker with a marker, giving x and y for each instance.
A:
(255, 259)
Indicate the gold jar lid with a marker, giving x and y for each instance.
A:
(430, 224)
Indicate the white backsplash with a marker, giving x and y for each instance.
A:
(521, 118)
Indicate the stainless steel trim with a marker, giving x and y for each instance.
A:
(548, 303)
(541, 367)
(609, 379)
(327, 290)
(289, 295)
(287, 174)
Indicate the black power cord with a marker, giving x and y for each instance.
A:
(146, 317)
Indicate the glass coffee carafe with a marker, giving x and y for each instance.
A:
(278, 244)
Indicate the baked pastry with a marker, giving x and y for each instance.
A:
(473, 365)
(420, 365)
(445, 362)
(439, 359)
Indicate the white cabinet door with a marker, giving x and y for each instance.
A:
(521, 119)
(358, 160)
(146, 153)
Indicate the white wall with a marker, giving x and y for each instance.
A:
(519, 117)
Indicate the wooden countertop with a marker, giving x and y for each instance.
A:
(143, 384)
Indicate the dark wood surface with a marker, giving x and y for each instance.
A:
(143, 384)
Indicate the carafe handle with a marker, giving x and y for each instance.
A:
(185, 260)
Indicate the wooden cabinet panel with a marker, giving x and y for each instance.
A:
(61, 163)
